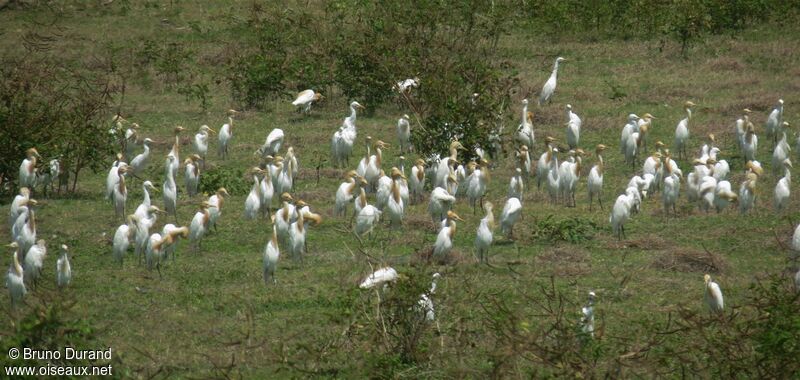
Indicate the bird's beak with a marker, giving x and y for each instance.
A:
(456, 217)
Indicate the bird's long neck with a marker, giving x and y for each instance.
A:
(33, 164)
(600, 163)
(420, 172)
(230, 125)
(368, 151)
(274, 235)
(17, 267)
(453, 154)
(555, 70)
(353, 115)
(32, 219)
(146, 200)
(168, 174)
(300, 224)
(786, 174)
(64, 256)
(489, 218)
(362, 198)
(286, 211)
(524, 114)
(395, 191)
(402, 167)
(176, 146)
(378, 156)
(350, 186)
(256, 183)
(206, 217)
(452, 224)
(688, 113)
(121, 184)
(220, 200)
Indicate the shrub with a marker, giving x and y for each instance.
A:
(573, 230)
(232, 180)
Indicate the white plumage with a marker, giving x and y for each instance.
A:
(379, 277)
(63, 268)
(713, 295)
(573, 128)
(271, 255)
(139, 163)
(512, 211)
(485, 234)
(550, 86)
(404, 134)
(305, 98)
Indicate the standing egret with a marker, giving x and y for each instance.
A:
(271, 255)
(48, 174)
(773, 124)
(143, 226)
(131, 136)
(713, 295)
(304, 99)
(176, 151)
(272, 145)
(113, 176)
(26, 236)
(402, 183)
(543, 166)
(750, 142)
(297, 233)
(417, 180)
(404, 134)
(33, 262)
(682, 131)
(620, 214)
(553, 177)
(158, 245)
(782, 188)
(516, 186)
(550, 86)
(747, 193)
(573, 128)
(485, 234)
(266, 190)
(512, 211)
(345, 193)
(631, 126)
(283, 181)
(192, 175)
(361, 170)
(215, 206)
(19, 200)
(781, 151)
(367, 217)
(361, 199)
(253, 202)
(139, 163)
(23, 216)
(444, 240)
(383, 190)
(587, 316)
(292, 160)
(524, 161)
(394, 205)
(27, 170)
(440, 202)
(169, 190)
(200, 142)
(477, 183)
(122, 238)
(373, 170)
(525, 134)
(595, 181)
(63, 268)
(342, 141)
(671, 189)
(199, 226)
(570, 177)
(15, 278)
(225, 135)
(444, 169)
(723, 195)
(141, 210)
(740, 128)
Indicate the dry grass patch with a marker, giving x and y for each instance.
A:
(686, 259)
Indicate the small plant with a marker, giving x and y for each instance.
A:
(197, 91)
(572, 230)
(231, 179)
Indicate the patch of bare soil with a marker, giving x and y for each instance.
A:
(566, 260)
(685, 259)
(425, 256)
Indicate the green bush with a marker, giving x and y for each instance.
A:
(572, 230)
(232, 180)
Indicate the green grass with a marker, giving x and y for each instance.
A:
(198, 313)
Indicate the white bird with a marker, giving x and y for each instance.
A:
(383, 190)
(253, 202)
(750, 142)
(740, 128)
(192, 175)
(620, 214)
(543, 165)
(630, 127)
(139, 163)
(404, 134)
(724, 195)
(523, 161)
(297, 233)
(15, 278)
(524, 134)
(284, 218)
(671, 190)
(444, 240)
(294, 168)
(478, 183)
(632, 148)
(141, 210)
(774, 120)
(304, 100)
(587, 316)
(283, 182)
(22, 217)
(225, 135)
(781, 151)
(747, 193)
(643, 125)
(516, 186)
(215, 203)
(158, 245)
(199, 226)
(708, 186)
(143, 226)
(131, 135)
(379, 277)
(571, 173)
(417, 181)
(34, 260)
(19, 201)
(46, 177)
(200, 142)
(445, 166)
(122, 238)
(343, 139)
(485, 234)
(170, 247)
(550, 86)
(594, 183)
(512, 211)
(63, 268)
(440, 202)
(361, 169)
(395, 207)
(366, 218)
(175, 151)
(272, 145)
(682, 131)
(27, 169)
(402, 183)
(271, 255)
(713, 295)
(553, 176)
(405, 86)
(373, 170)
(266, 190)
(345, 193)
(169, 191)
(26, 234)
(573, 128)
(782, 188)
(425, 302)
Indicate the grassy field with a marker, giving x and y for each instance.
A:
(211, 309)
